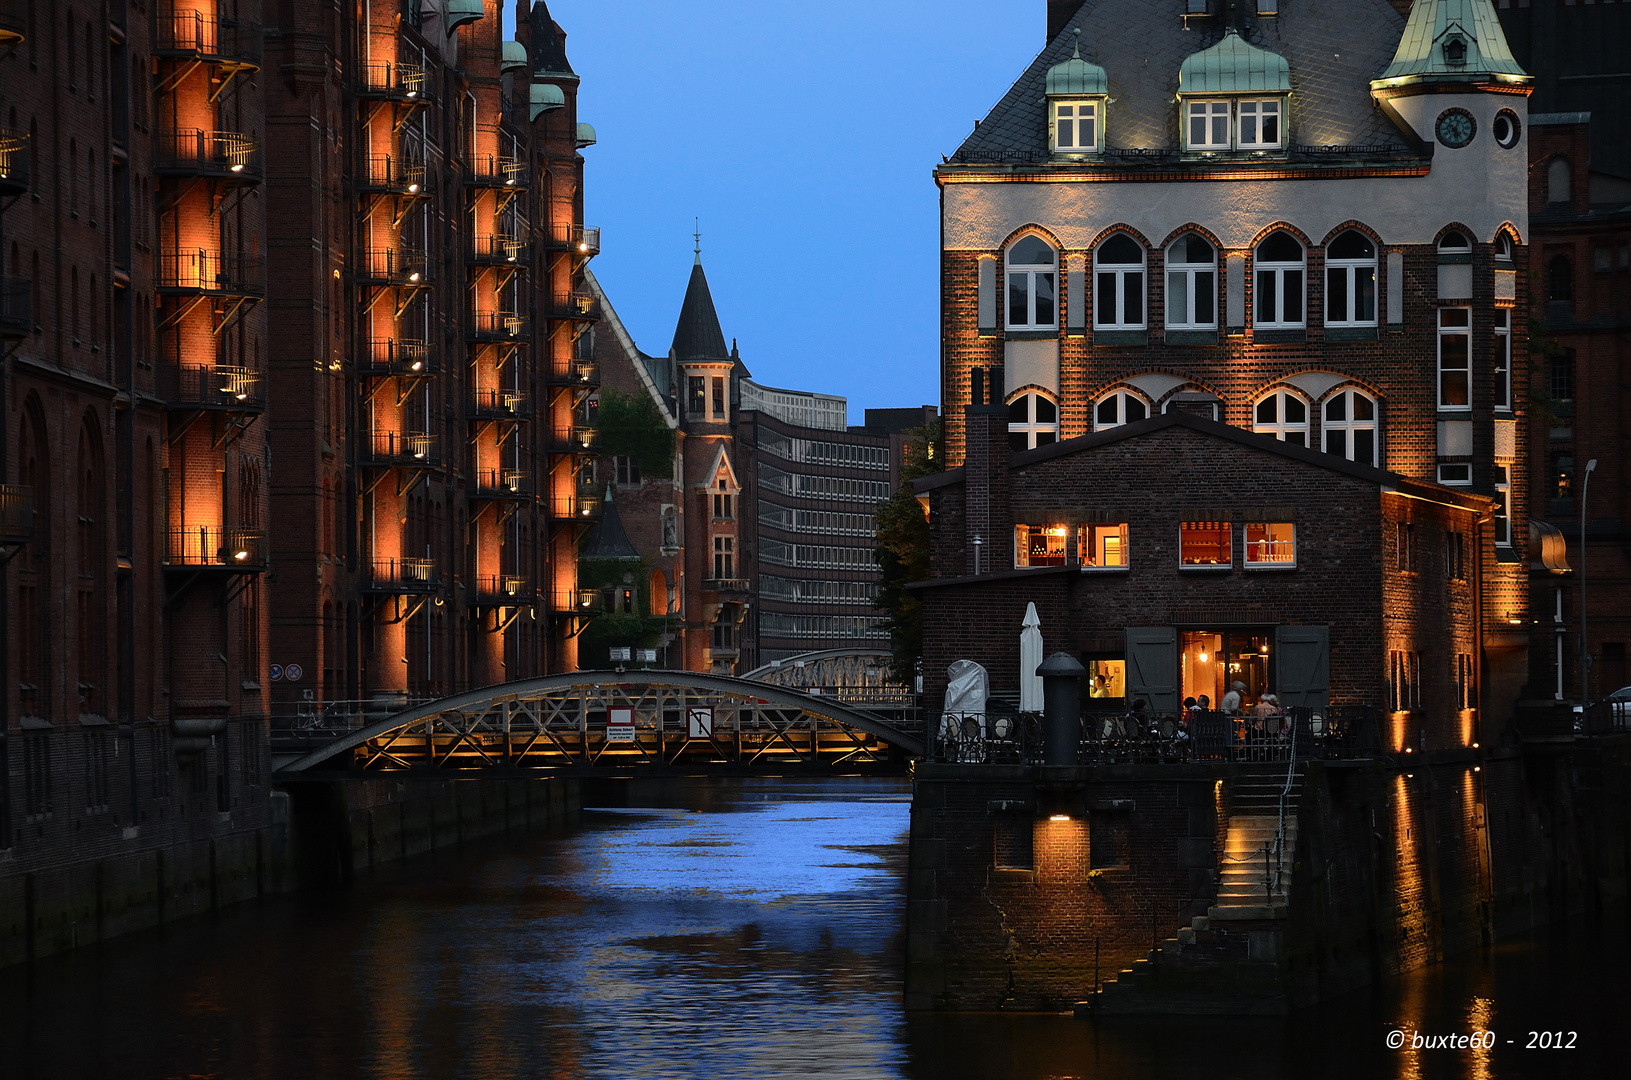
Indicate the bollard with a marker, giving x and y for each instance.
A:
(1061, 690)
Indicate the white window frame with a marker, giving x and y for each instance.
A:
(1121, 396)
(1193, 280)
(1270, 563)
(1351, 270)
(1094, 109)
(1031, 427)
(1503, 248)
(1350, 426)
(724, 552)
(1215, 117)
(1455, 473)
(1030, 272)
(1229, 534)
(1451, 328)
(1275, 271)
(1503, 360)
(1093, 543)
(1114, 276)
(1501, 525)
(1257, 110)
(1280, 427)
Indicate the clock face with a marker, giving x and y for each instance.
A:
(1455, 128)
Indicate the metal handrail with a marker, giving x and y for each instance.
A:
(16, 306)
(584, 239)
(400, 356)
(503, 483)
(575, 305)
(500, 248)
(500, 326)
(414, 448)
(228, 273)
(403, 82)
(501, 403)
(16, 160)
(224, 386)
(388, 172)
(207, 35)
(16, 513)
(400, 265)
(228, 153)
(404, 574)
(497, 171)
(208, 545)
(508, 588)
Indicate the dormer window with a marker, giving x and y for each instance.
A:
(1209, 125)
(1232, 96)
(1259, 124)
(1075, 127)
(1455, 51)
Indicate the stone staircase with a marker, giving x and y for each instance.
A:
(1223, 963)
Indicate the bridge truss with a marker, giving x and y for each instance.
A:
(619, 721)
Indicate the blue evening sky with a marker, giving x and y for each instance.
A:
(805, 146)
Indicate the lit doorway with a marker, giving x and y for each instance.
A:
(1210, 660)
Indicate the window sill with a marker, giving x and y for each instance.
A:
(1280, 336)
(1106, 569)
(1042, 334)
(1349, 334)
(1206, 568)
(1192, 337)
(1506, 553)
(1007, 875)
(1270, 566)
(1113, 338)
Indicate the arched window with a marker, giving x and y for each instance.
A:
(1350, 281)
(1033, 299)
(1119, 284)
(1559, 279)
(1350, 426)
(1192, 284)
(1559, 181)
(1283, 414)
(1454, 243)
(1119, 407)
(1503, 248)
(1033, 420)
(1280, 266)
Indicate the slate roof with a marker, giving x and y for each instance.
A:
(1334, 49)
(608, 539)
(1432, 22)
(698, 336)
(548, 44)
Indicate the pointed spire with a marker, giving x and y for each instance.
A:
(608, 539)
(697, 235)
(698, 336)
(1452, 41)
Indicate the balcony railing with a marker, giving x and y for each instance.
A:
(575, 507)
(576, 601)
(240, 551)
(16, 161)
(403, 576)
(499, 326)
(13, 22)
(574, 440)
(411, 449)
(395, 266)
(493, 172)
(583, 373)
(726, 585)
(216, 39)
(408, 357)
(213, 272)
(504, 589)
(221, 387)
(584, 306)
(499, 250)
(16, 307)
(384, 173)
(582, 239)
(224, 155)
(16, 514)
(501, 484)
(499, 405)
(407, 83)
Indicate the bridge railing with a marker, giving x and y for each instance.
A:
(1018, 738)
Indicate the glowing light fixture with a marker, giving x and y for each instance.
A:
(1059, 817)
(416, 365)
(240, 555)
(414, 276)
(1203, 658)
(237, 168)
(413, 189)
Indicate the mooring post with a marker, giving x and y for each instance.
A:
(1061, 691)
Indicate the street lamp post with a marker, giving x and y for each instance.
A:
(1585, 657)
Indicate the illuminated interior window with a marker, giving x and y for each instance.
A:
(1283, 414)
(1033, 420)
(1107, 678)
(1455, 358)
(1271, 544)
(1117, 408)
(1205, 543)
(1102, 547)
(1039, 545)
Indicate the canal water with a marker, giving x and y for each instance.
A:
(736, 930)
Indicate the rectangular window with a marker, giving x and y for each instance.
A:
(1076, 128)
(1503, 360)
(1106, 840)
(1026, 286)
(724, 557)
(1350, 294)
(1404, 547)
(1560, 378)
(1191, 298)
(1039, 545)
(1455, 556)
(1102, 547)
(1404, 680)
(719, 399)
(1602, 259)
(696, 389)
(1455, 358)
(1260, 124)
(1206, 543)
(1279, 297)
(1503, 517)
(1271, 544)
(1119, 303)
(1208, 125)
(724, 637)
(1455, 474)
(1463, 681)
(1107, 678)
(627, 471)
(1011, 842)
(722, 507)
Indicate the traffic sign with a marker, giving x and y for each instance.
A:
(620, 725)
(277, 672)
(293, 672)
(700, 721)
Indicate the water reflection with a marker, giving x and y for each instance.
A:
(736, 931)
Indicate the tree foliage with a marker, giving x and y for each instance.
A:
(631, 426)
(903, 552)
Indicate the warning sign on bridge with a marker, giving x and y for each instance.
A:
(699, 720)
(619, 725)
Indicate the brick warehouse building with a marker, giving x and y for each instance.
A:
(344, 239)
(1209, 212)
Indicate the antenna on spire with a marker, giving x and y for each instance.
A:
(697, 236)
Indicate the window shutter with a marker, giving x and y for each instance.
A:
(1152, 667)
(1303, 656)
(988, 292)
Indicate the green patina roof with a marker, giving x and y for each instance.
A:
(1433, 23)
(1234, 65)
(1077, 76)
(544, 97)
(460, 12)
(515, 56)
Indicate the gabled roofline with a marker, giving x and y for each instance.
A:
(630, 349)
(1383, 479)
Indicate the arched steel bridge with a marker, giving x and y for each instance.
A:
(619, 721)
